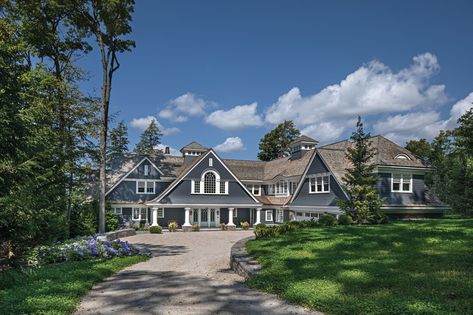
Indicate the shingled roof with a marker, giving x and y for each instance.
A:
(304, 138)
(194, 146)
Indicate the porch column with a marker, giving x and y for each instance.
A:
(186, 227)
(155, 217)
(258, 216)
(230, 225)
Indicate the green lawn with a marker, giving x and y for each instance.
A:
(422, 267)
(55, 289)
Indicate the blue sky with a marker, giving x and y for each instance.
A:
(224, 73)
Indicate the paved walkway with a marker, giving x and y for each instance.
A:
(188, 274)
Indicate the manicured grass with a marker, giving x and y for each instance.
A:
(57, 288)
(421, 267)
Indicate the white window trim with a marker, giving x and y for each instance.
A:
(284, 183)
(211, 162)
(314, 178)
(279, 215)
(146, 169)
(270, 213)
(160, 215)
(202, 182)
(401, 190)
(114, 210)
(251, 188)
(235, 213)
(147, 182)
(139, 214)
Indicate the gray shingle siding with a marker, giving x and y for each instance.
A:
(181, 194)
(304, 198)
(126, 191)
(417, 197)
(139, 172)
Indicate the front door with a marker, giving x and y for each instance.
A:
(204, 217)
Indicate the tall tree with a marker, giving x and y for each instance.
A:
(149, 140)
(109, 21)
(420, 148)
(275, 144)
(363, 203)
(118, 142)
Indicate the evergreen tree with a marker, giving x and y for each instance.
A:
(420, 148)
(275, 144)
(149, 140)
(118, 142)
(363, 204)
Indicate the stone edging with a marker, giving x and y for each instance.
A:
(241, 262)
(109, 236)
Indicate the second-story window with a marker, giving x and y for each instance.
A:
(401, 182)
(319, 184)
(254, 189)
(210, 183)
(145, 187)
(281, 188)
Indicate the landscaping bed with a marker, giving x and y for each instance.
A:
(421, 267)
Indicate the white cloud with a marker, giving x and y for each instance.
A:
(144, 122)
(185, 106)
(232, 144)
(370, 90)
(172, 150)
(238, 117)
(415, 125)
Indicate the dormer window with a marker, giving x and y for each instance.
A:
(319, 184)
(402, 156)
(401, 182)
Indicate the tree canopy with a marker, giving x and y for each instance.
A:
(275, 144)
(149, 141)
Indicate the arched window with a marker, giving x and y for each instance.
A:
(210, 183)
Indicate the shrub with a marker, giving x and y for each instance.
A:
(156, 229)
(195, 228)
(327, 220)
(345, 219)
(245, 225)
(223, 226)
(381, 218)
(172, 226)
(80, 249)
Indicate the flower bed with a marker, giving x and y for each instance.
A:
(81, 249)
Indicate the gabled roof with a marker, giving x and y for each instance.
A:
(115, 178)
(304, 138)
(189, 168)
(195, 146)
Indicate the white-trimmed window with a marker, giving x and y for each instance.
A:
(279, 215)
(210, 183)
(146, 170)
(401, 182)
(235, 213)
(117, 210)
(211, 162)
(160, 212)
(269, 215)
(281, 188)
(139, 214)
(144, 187)
(254, 189)
(319, 184)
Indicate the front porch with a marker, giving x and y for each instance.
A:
(205, 216)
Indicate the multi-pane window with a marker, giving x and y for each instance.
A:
(210, 183)
(279, 215)
(319, 184)
(145, 187)
(254, 189)
(401, 182)
(281, 188)
(269, 215)
(160, 212)
(139, 214)
(117, 210)
(235, 213)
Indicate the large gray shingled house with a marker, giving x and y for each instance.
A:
(199, 187)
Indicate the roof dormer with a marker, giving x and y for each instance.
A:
(192, 150)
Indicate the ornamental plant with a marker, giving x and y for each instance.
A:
(81, 249)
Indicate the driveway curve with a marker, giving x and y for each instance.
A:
(187, 274)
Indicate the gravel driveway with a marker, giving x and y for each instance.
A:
(188, 274)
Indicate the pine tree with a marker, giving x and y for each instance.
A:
(118, 142)
(149, 140)
(363, 204)
(275, 144)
